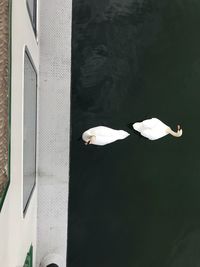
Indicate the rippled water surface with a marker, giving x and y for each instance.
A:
(135, 203)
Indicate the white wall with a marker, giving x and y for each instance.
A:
(18, 233)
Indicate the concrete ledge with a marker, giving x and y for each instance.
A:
(54, 125)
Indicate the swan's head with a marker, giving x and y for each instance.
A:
(179, 131)
(90, 139)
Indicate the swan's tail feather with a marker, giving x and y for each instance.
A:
(123, 134)
(137, 126)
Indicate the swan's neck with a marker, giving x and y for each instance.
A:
(175, 134)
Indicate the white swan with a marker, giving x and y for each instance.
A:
(102, 135)
(154, 129)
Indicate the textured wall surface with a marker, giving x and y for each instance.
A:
(54, 125)
(4, 22)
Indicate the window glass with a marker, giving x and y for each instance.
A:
(30, 122)
(32, 9)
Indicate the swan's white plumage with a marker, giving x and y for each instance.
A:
(152, 128)
(103, 135)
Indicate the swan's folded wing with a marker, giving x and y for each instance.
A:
(150, 123)
(104, 140)
(102, 130)
(148, 134)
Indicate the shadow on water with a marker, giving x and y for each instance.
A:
(135, 203)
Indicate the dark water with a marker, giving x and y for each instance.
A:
(135, 203)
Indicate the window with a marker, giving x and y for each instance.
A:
(30, 123)
(32, 10)
(29, 258)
